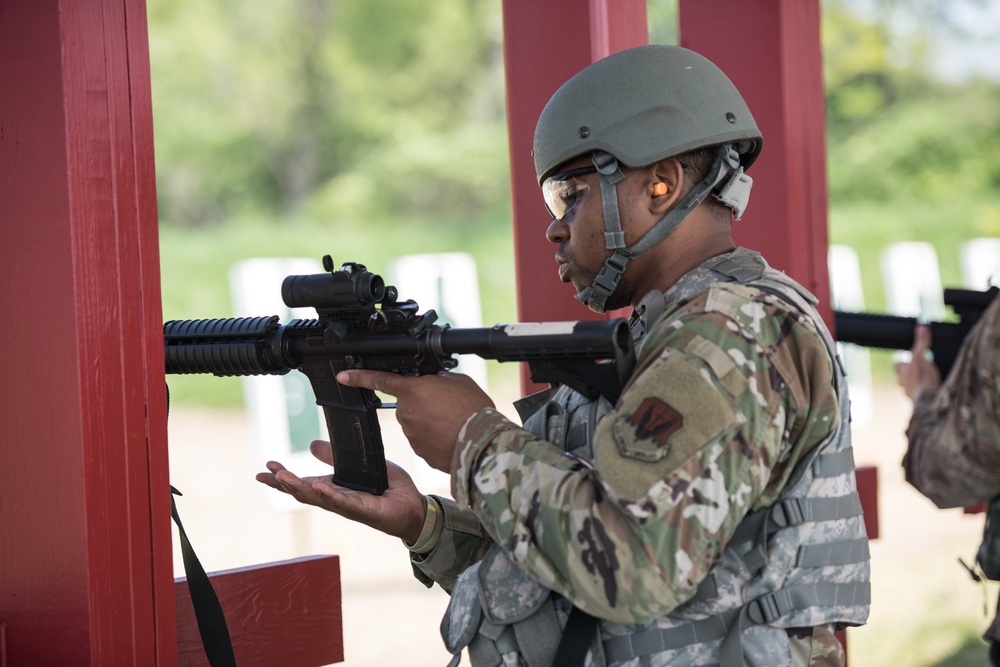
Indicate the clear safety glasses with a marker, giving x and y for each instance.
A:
(563, 191)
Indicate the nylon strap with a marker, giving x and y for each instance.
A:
(838, 553)
(207, 610)
(610, 175)
(726, 159)
(769, 608)
(787, 513)
(834, 464)
(574, 645)
(728, 627)
(657, 640)
(727, 164)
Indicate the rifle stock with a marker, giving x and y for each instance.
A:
(361, 324)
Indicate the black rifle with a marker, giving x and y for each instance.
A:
(361, 324)
(896, 333)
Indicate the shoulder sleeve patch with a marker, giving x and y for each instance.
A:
(644, 434)
(671, 412)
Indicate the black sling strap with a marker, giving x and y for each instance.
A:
(207, 610)
(578, 635)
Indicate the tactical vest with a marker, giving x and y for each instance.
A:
(803, 562)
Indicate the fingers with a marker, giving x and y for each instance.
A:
(269, 478)
(918, 373)
(387, 383)
(278, 478)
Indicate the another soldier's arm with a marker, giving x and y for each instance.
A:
(953, 454)
(690, 449)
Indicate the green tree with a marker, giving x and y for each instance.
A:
(895, 131)
(276, 109)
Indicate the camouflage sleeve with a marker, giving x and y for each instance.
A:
(462, 543)
(953, 453)
(729, 391)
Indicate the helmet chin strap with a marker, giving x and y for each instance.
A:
(734, 193)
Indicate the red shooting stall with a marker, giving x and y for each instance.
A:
(85, 549)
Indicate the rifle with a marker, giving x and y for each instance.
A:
(896, 333)
(362, 324)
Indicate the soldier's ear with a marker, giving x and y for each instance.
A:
(665, 185)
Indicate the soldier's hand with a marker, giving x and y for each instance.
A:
(399, 511)
(431, 408)
(919, 373)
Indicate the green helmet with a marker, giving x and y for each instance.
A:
(643, 105)
(638, 107)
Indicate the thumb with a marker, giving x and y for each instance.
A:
(321, 450)
(921, 339)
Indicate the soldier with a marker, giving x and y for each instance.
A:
(711, 515)
(953, 438)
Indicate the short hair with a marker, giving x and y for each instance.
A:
(697, 164)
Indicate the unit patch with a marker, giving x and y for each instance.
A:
(656, 421)
(669, 414)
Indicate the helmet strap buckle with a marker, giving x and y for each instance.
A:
(735, 192)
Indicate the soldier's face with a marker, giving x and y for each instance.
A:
(579, 232)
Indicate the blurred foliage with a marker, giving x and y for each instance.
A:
(362, 121)
(895, 131)
(321, 108)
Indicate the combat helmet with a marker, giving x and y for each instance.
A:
(638, 107)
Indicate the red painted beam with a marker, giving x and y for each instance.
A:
(775, 59)
(867, 477)
(771, 51)
(85, 550)
(286, 613)
(545, 43)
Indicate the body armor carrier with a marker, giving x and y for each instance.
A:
(803, 562)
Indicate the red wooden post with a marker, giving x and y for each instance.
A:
(85, 550)
(771, 51)
(545, 43)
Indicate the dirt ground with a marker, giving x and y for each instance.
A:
(919, 589)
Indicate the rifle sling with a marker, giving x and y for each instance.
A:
(207, 609)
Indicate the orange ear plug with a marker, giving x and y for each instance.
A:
(660, 189)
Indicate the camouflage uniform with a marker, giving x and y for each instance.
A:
(953, 456)
(630, 515)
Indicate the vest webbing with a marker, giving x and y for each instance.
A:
(755, 530)
(729, 625)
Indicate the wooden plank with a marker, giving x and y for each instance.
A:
(286, 613)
